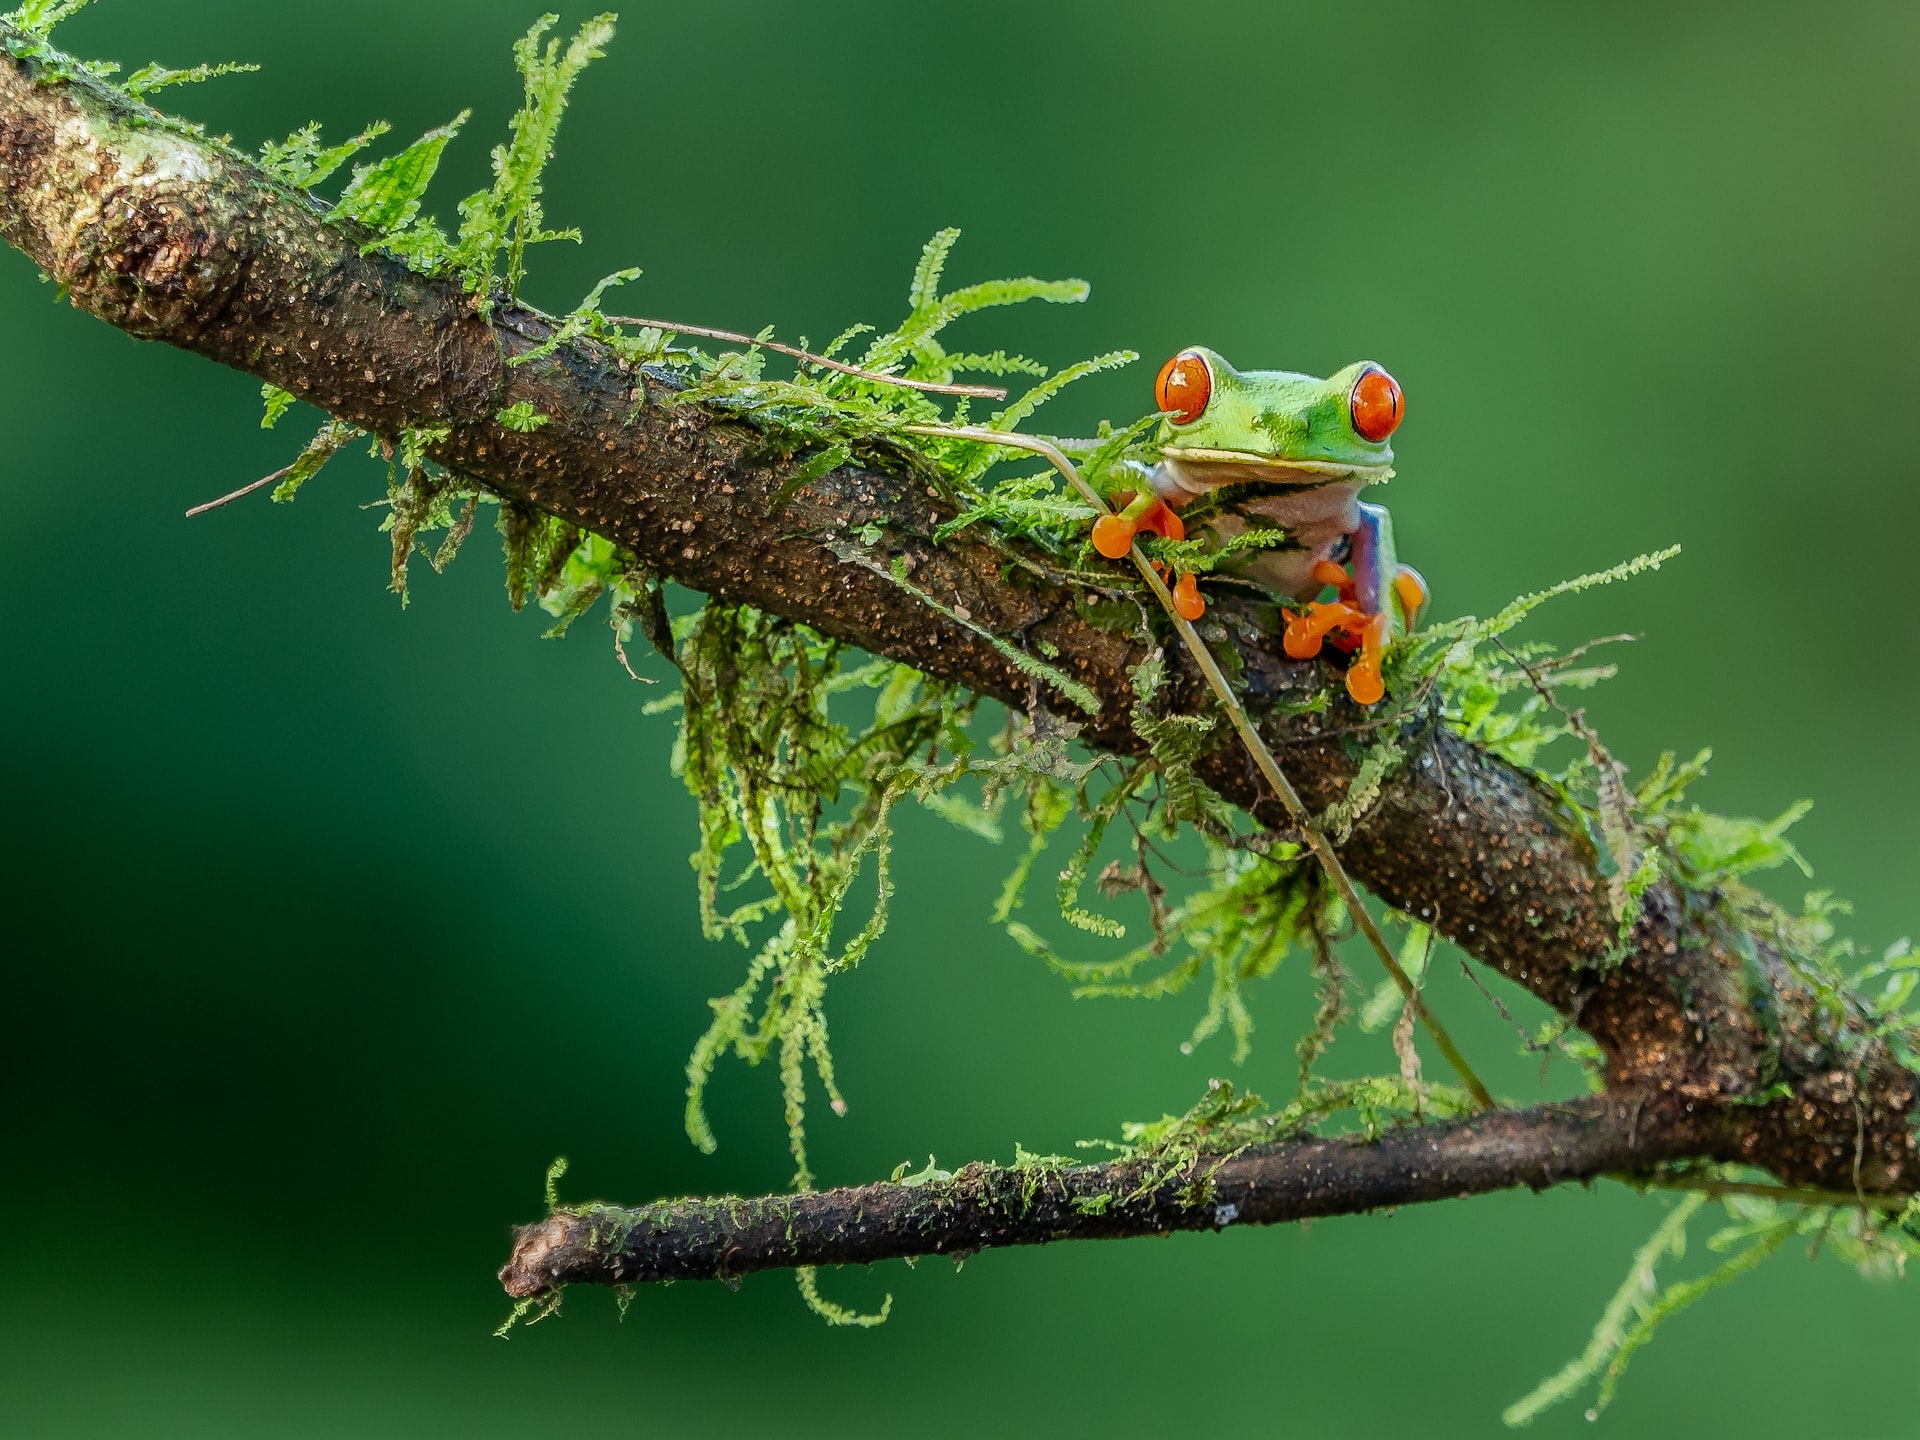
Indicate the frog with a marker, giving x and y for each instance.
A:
(1277, 450)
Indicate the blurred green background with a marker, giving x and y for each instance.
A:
(332, 924)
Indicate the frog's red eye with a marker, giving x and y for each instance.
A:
(1377, 405)
(1184, 387)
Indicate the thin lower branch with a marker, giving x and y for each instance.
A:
(987, 1206)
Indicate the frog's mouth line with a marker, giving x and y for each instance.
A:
(1265, 467)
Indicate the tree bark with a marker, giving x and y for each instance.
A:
(172, 237)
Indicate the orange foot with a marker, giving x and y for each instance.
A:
(1343, 623)
(1306, 631)
(1113, 534)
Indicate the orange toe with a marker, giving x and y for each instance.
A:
(1113, 536)
(1364, 683)
(1412, 590)
(1300, 640)
(1187, 600)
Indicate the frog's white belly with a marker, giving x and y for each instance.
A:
(1318, 517)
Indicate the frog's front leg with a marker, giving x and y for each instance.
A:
(1380, 600)
(1113, 534)
(1148, 511)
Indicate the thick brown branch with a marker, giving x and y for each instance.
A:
(986, 1206)
(176, 239)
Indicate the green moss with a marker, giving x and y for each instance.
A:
(302, 161)
(333, 437)
(770, 765)
(833, 1314)
(39, 17)
(386, 197)
(522, 417)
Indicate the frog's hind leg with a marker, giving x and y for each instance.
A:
(1374, 597)
(1378, 599)
(1373, 559)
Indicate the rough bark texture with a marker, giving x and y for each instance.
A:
(172, 238)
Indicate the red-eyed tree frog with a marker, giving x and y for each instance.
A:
(1274, 450)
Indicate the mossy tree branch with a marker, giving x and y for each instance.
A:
(171, 237)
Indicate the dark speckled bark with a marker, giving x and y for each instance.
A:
(174, 239)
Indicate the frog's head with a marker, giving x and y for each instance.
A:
(1274, 425)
